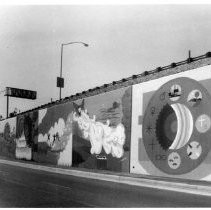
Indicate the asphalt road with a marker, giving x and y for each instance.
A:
(22, 187)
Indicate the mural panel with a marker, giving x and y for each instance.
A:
(26, 135)
(8, 137)
(176, 126)
(55, 135)
(171, 124)
(101, 131)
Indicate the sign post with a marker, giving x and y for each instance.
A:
(19, 93)
(7, 106)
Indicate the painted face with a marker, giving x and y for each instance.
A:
(174, 160)
(194, 150)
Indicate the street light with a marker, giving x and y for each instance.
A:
(60, 80)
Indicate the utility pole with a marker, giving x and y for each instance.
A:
(60, 80)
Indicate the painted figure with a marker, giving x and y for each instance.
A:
(100, 135)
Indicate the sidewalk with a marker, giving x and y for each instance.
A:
(164, 183)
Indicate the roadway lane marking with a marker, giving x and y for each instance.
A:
(57, 185)
(38, 189)
(142, 182)
(68, 188)
(27, 186)
(14, 182)
(4, 172)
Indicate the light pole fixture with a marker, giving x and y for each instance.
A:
(60, 80)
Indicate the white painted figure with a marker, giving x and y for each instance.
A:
(100, 135)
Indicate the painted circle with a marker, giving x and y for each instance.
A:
(194, 150)
(203, 123)
(174, 160)
(174, 123)
(194, 97)
(175, 92)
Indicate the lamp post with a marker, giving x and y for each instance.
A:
(60, 80)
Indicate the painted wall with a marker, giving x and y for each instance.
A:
(171, 120)
(160, 127)
(55, 135)
(8, 137)
(102, 130)
(90, 133)
(26, 135)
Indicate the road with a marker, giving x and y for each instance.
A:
(22, 187)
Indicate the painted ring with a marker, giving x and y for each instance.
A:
(177, 126)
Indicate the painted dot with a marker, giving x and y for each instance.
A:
(203, 123)
(194, 150)
(174, 160)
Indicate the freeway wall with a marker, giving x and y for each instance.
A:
(157, 123)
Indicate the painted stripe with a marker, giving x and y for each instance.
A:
(142, 182)
(56, 185)
(140, 120)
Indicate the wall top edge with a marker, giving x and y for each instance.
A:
(173, 68)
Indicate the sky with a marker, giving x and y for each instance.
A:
(123, 40)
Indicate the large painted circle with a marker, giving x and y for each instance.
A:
(177, 126)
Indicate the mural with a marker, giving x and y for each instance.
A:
(176, 135)
(55, 135)
(7, 137)
(91, 133)
(101, 133)
(26, 135)
(171, 126)
(170, 118)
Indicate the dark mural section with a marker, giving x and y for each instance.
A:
(101, 131)
(8, 137)
(55, 135)
(27, 135)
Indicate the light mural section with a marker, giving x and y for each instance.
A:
(55, 135)
(170, 131)
(171, 125)
(101, 136)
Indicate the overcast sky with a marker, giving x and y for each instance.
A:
(124, 40)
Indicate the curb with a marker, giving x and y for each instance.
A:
(142, 182)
